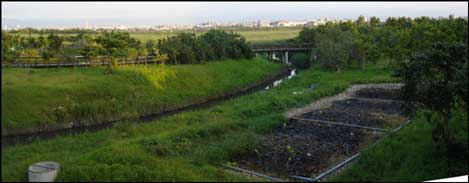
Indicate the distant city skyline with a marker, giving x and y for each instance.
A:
(43, 14)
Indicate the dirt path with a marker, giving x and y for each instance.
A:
(347, 94)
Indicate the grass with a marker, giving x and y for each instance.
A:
(253, 36)
(409, 155)
(187, 146)
(34, 99)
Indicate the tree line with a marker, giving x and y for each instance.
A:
(353, 44)
(188, 48)
(183, 48)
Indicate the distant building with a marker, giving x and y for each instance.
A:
(261, 23)
(285, 23)
(281, 23)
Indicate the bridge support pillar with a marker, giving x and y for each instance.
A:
(286, 57)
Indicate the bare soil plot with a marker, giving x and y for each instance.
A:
(379, 93)
(307, 148)
(361, 112)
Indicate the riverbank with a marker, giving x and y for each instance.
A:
(188, 146)
(38, 100)
(267, 82)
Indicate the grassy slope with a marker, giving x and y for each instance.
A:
(32, 98)
(186, 146)
(409, 155)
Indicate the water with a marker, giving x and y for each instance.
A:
(278, 82)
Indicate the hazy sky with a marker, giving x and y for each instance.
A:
(196, 12)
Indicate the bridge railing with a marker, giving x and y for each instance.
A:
(279, 46)
(76, 62)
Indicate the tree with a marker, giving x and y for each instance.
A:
(333, 48)
(437, 79)
(187, 48)
(91, 51)
(374, 21)
(360, 21)
(300, 60)
(308, 35)
(116, 45)
(47, 55)
(10, 48)
(55, 42)
(150, 46)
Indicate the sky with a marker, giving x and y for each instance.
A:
(154, 13)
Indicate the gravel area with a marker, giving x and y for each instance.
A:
(349, 93)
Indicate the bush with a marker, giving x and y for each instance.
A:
(188, 48)
(300, 61)
(437, 79)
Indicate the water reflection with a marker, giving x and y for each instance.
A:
(276, 83)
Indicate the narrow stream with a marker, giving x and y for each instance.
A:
(276, 83)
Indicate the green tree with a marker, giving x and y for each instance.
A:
(91, 51)
(55, 42)
(116, 46)
(10, 48)
(150, 46)
(437, 79)
(374, 21)
(333, 48)
(300, 60)
(360, 21)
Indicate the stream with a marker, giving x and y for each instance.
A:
(278, 82)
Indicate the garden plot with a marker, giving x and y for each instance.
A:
(305, 149)
(379, 93)
(327, 132)
(360, 112)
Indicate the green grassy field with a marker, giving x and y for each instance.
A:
(255, 36)
(187, 146)
(39, 99)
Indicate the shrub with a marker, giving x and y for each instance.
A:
(300, 60)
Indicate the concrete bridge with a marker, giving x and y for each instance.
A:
(282, 50)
